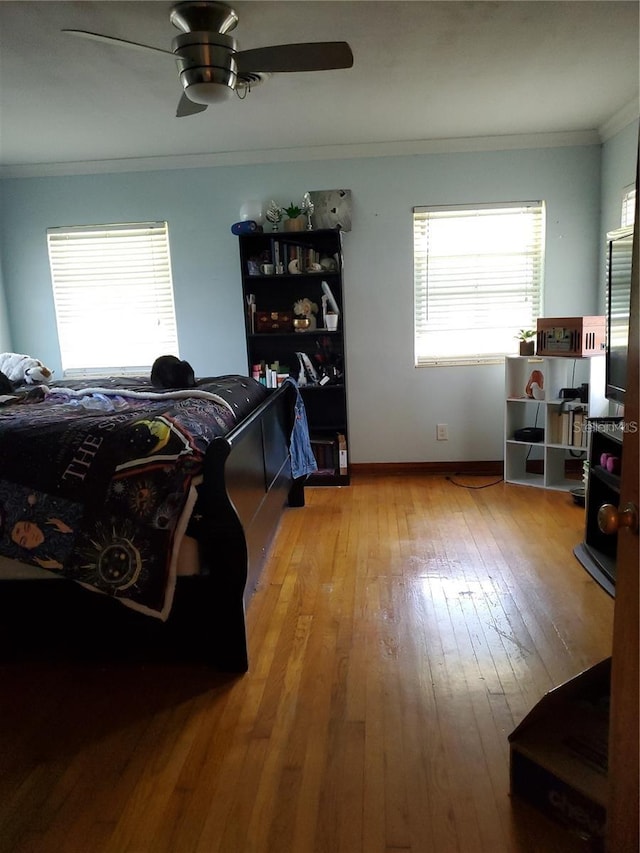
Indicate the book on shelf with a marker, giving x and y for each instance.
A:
(275, 253)
(342, 454)
(576, 432)
(579, 434)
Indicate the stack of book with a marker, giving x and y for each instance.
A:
(282, 253)
(331, 454)
(569, 427)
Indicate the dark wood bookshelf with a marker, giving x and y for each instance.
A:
(325, 395)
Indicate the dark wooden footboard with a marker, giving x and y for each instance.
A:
(247, 485)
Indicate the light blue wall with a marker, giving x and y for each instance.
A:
(5, 335)
(618, 171)
(393, 407)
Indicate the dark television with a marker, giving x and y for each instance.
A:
(619, 255)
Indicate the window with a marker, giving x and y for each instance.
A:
(478, 279)
(113, 295)
(628, 215)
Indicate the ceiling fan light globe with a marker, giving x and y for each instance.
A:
(208, 85)
(208, 93)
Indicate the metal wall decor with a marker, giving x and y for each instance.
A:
(331, 209)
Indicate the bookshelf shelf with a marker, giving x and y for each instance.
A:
(555, 462)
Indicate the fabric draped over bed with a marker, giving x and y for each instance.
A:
(97, 483)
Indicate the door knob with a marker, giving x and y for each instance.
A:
(611, 519)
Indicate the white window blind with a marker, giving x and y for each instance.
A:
(113, 295)
(478, 278)
(628, 214)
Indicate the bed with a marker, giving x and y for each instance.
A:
(134, 522)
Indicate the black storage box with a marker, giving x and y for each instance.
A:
(531, 434)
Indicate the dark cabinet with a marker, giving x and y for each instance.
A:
(292, 287)
(598, 551)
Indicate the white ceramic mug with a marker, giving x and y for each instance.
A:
(266, 269)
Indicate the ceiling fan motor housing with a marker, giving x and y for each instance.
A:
(207, 65)
(209, 15)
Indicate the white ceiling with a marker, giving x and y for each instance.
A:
(423, 70)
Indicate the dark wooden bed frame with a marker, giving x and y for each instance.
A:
(247, 485)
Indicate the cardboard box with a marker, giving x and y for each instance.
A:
(572, 337)
(559, 754)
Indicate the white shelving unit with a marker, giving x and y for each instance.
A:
(544, 463)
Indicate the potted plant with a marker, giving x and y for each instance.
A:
(295, 222)
(527, 341)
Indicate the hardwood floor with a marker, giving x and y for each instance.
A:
(402, 628)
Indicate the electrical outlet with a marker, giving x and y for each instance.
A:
(442, 432)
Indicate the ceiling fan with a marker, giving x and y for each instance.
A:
(209, 63)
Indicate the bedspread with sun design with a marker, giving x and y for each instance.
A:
(96, 482)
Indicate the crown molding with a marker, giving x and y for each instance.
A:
(629, 113)
(320, 152)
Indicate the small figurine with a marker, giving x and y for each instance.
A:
(307, 208)
(274, 214)
(535, 386)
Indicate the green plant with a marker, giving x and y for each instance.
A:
(526, 335)
(293, 211)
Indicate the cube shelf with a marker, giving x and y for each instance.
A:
(554, 462)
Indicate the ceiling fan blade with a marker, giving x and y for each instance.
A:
(308, 56)
(188, 108)
(118, 42)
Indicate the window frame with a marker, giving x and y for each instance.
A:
(628, 208)
(120, 275)
(516, 277)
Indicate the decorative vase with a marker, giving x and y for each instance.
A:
(527, 347)
(297, 224)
